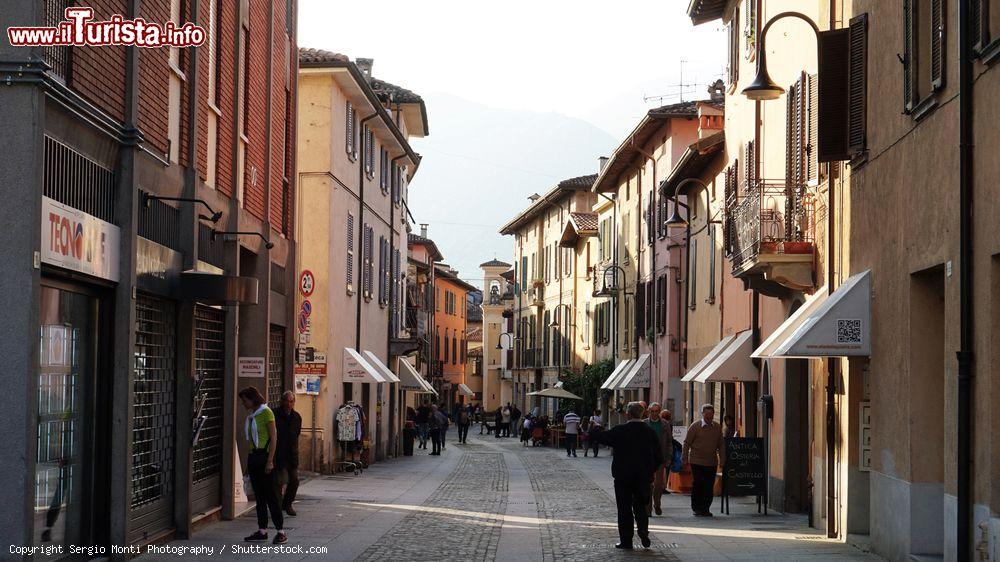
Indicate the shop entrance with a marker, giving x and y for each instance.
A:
(210, 362)
(71, 478)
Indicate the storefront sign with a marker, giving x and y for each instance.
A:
(75, 240)
(354, 368)
(252, 367)
(317, 369)
(745, 470)
(157, 267)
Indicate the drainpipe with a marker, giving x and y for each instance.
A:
(965, 354)
(652, 265)
(361, 225)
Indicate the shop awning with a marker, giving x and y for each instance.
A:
(555, 392)
(837, 325)
(464, 390)
(374, 361)
(707, 359)
(638, 374)
(410, 379)
(733, 363)
(616, 376)
(358, 369)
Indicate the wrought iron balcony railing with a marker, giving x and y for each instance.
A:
(767, 217)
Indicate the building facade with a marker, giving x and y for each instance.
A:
(357, 164)
(497, 337)
(149, 195)
(450, 326)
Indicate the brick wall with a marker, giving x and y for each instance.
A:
(98, 73)
(256, 127)
(226, 96)
(154, 82)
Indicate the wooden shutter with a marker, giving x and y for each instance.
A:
(711, 263)
(693, 274)
(909, 54)
(640, 309)
(661, 304)
(369, 274)
(828, 99)
(978, 24)
(810, 101)
(349, 129)
(937, 44)
(858, 90)
(349, 269)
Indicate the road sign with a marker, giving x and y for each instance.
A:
(303, 322)
(307, 283)
(306, 307)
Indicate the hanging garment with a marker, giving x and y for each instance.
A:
(347, 418)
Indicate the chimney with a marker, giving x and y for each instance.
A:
(534, 197)
(423, 229)
(717, 91)
(602, 161)
(365, 66)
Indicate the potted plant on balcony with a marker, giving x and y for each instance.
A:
(537, 282)
(768, 245)
(797, 247)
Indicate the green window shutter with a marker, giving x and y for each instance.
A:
(909, 54)
(937, 44)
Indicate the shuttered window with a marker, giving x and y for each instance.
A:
(383, 170)
(711, 264)
(857, 128)
(369, 266)
(801, 163)
(640, 309)
(349, 266)
(733, 68)
(693, 275)
(350, 133)
(923, 54)
(979, 25)
(383, 247)
(661, 304)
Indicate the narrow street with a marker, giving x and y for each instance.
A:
(497, 500)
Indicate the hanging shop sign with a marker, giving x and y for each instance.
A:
(74, 240)
(251, 367)
(745, 473)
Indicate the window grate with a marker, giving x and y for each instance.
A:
(59, 57)
(159, 223)
(275, 366)
(277, 279)
(210, 251)
(75, 180)
(153, 411)
(209, 358)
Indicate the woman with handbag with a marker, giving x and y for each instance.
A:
(261, 432)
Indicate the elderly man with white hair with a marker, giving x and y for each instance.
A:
(704, 450)
(637, 454)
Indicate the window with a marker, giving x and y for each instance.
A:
(661, 304)
(445, 345)
(640, 310)
(383, 247)
(369, 261)
(923, 54)
(711, 264)
(750, 29)
(693, 276)
(369, 151)
(454, 350)
(733, 68)
(350, 128)
(857, 120)
(437, 299)
(627, 340)
(983, 22)
(349, 266)
(383, 170)
(802, 165)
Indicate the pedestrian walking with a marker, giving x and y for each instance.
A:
(515, 418)
(664, 436)
(526, 430)
(259, 429)
(505, 420)
(637, 454)
(498, 421)
(464, 419)
(435, 422)
(704, 450)
(594, 429)
(572, 423)
(286, 460)
(423, 419)
(444, 425)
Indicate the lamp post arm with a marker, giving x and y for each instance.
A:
(783, 15)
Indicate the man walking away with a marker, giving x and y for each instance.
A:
(286, 459)
(572, 422)
(704, 449)
(593, 433)
(515, 416)
(664, 436)
(505, 421)
(444, 425)
(423, 418)
(498, 421)
(434, 424)
(464, 419)
(637, 454)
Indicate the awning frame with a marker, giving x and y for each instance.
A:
(708, 358)
(351, 354)
(738, 350)
(615, 377)
(631, 380)
(386, 373)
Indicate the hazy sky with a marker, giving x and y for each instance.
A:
(590, 60)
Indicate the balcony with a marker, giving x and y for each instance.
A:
(536, 297)
(769, 236)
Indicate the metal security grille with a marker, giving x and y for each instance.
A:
(58, 57)
(209, 360)
(211, 251)
(275, 366)
(159, 222)
(153, 415)
(75, 180)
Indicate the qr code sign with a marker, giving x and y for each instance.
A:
(849, 331)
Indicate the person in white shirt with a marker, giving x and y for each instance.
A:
(572, 422)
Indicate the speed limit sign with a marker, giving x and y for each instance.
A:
(307, 283)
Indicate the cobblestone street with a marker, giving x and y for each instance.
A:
(497, 500)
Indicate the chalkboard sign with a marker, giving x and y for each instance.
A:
(745, 473)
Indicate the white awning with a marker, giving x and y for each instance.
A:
(767, 347)
(638, 374)
(464, 390)
(707, 359)
(612, 381)
(733, 363)
(838, 326)
(358, 369)
(374, 361)
(410, 379)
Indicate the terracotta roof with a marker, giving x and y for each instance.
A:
(399, 94)
(494, 263)
(701, 11)
(442, 273)
(584, 221)
(474, 352)
(562, 190)
(319, 56)
(474, 334)
(579, 182)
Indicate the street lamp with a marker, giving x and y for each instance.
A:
(555, 314)
(675, 221)
(763, 88)
(500, 338)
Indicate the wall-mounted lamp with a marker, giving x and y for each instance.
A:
(147, 198)
(267, 243)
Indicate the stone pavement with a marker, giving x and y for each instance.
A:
(496, 500)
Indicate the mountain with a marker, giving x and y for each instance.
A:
(479, 166)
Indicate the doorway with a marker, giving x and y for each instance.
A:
(71, 479)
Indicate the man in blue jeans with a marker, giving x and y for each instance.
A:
(423, 416)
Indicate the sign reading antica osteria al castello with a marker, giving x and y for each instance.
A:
(75, 240)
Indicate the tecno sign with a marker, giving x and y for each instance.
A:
(75, 240)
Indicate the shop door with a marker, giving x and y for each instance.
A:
(275, 366)
(71, 481)
(209, 361)
(153, 418)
